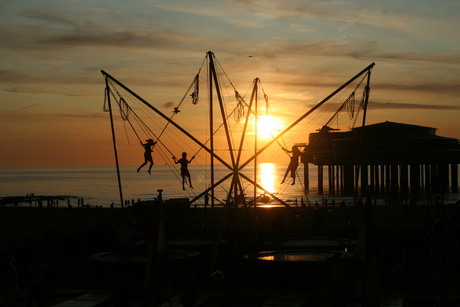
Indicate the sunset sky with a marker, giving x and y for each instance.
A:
(52, 91)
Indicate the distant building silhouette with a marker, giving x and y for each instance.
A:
(384, 158)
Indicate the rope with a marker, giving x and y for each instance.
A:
(105, 107)
(124, 115)
(126, 131)
(125, 110)
(196, 90)
(349, 104)
(194, 101)
(128, 114)
(195, 98)
(239, 110)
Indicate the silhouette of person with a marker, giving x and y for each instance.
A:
(293, 163)
(148, 149)
(184, 169)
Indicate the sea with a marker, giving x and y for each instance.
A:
(98, 185)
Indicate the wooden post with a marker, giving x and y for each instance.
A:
(338, 183)
(454, 177)
(387, 179)
(377, 179)
(415, 178)
(382, 179)
(435, 178)
(364, 179)
(348, 179)
(306, 175)
(320, 179)
(404, 179)
(394, 178)
(372, 177)
(443, 174)
(427, 178)
(330, 178)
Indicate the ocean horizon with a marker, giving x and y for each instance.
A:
(98, 185)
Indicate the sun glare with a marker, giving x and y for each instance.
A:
(268, 127)
(266, 173)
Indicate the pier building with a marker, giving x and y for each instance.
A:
(382, 158)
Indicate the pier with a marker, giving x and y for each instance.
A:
(386, 158)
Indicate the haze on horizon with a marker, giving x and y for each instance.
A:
(52, 91)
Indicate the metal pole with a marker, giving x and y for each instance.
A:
(114, 141)
(167, 119)
(235, 179)
(222, 108)
(211, 124)
(255, 138)
(305, 115)
(245, 127)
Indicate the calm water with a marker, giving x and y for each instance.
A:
(99, 186)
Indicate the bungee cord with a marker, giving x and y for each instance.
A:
(348, 106)
(125, 110)
(128, 115)
(132, 120)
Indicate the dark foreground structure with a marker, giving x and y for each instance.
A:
(385, 158)
(303, 256)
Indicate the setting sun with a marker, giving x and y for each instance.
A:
(268, 127)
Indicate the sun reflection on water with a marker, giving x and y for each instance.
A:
(266, 176)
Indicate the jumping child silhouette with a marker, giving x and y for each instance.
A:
(148, 149)
(184, 169)
(293, 164)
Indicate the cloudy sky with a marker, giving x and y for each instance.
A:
(52, 91)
